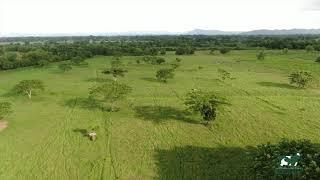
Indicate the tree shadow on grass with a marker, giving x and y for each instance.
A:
(150, 79)
(85, 103)
(278, 85)
(160, 114)
(192, 162)
(83, 132)
(99, 80)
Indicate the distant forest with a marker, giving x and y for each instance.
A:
(18, 52)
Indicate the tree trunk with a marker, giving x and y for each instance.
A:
(29, 93)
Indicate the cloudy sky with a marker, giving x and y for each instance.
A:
(92, 16)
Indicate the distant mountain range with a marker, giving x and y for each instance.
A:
(193, 32)
(256, 32)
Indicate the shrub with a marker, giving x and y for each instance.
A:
(205, 103)
(318, 59)
(164, 74)
(300, 78)
(224, 50)
(267, 158)
(5, 109)
(64, 67)
(285, 51)
(223, 74)
(309, 48)
(261, 55)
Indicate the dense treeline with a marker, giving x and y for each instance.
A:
(30, 51)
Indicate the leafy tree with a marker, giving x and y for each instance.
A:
(300, 78)
(163, 52)
(64, 67)
(5, 109)
(116, 70)
(175, 65)
(42, 63)
(309, 48)
(77, 60)
(185, 50)
(224, 50)
(223, 74)
(205, 103)
(110, 92)
(261, 55)
(29, 87)
(285, 51)
(164, 74)
(318, 59)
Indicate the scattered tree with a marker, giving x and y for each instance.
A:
(164, 74)
(261, 55)
(285, 51)
(163, 52)
(77, 60)
(224, 50)
(42, 63)
(300, 78)
(223, 74)
(116, 70)
(205, 103)
(64, 67)
(5, 109)
(175, 65)
(29, 87)
(309, 48)
(110, 92)
(185, 51)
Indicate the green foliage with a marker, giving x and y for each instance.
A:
(5, 109)
(285, 51)
(267, 159)
(309, 48)
(205, 103)
(29, 87)
(117, 69)
(164, 74)
(261, 55)
(163, 52)
(223, 74)
(184, 51)
(77, 60)
(153, 60)
(175, 65)
(224, 50)
(110, 91)
(178, 60)
(318, 59)
(64, 67)
(43, 63)
(300, 78)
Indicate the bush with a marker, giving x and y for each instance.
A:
(224, 50)
(268, 156)
(309, 48)
(164, 74)
(205, 103)
(318, 59)
(300, 78)
(185, 50)
(5, 109)
(261, 55)
(285, 51)
(223, 74)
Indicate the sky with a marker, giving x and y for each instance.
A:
(100, 16)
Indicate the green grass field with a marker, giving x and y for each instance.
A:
(44, 138)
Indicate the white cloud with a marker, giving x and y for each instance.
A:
(71, 16)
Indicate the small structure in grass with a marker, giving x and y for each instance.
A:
(92, 134)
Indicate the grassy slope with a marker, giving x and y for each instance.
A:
(44, 139)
